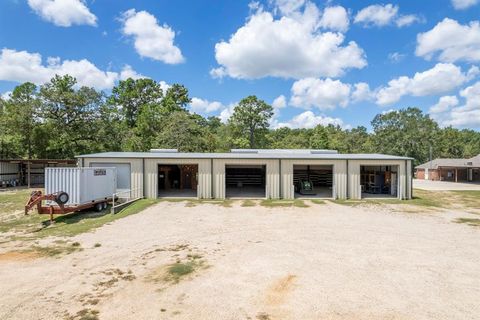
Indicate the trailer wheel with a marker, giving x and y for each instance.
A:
(105, 205)
(62, 198)
(98, 207)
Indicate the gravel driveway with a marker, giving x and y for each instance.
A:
(326, 261)
(444, 185)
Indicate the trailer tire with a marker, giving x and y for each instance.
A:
(98, 206)
(62, 198)
(105, 205)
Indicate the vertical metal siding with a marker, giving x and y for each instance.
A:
(272, 179)
(204, 175)
(81, 184)
(136, 174)
(9, 171)
(355, 192)
(339, 176)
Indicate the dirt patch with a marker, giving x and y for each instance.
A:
(17, 256)
(279, 290)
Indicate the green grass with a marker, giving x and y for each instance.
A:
(420, 198)
(34, 225)
(317, 201)
(470, 221)
(248, 203)
(273, 203)
(470, 199)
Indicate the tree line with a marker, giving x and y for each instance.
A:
(59, 119)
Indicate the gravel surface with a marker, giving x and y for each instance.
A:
(323, 262)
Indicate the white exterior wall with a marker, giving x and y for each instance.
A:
(405, 188)
(339, 176)
(8, 171)
(136, 171)
(272, 176)
(81, 184)
(204, 175)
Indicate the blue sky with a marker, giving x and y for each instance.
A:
(337, 62)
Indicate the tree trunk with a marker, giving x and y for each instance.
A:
(252, 138)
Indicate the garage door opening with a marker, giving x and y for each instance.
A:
(379, 181)
(177, 181)
(245, 181)
(313, 181)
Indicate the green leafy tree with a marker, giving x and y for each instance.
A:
(131, 96)
(21, 118)
(182, 132)
(407, 132)
(71, 116)
(176, 99)
(251, 119)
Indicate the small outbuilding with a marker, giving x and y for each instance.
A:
(258, 173)
(454, 170)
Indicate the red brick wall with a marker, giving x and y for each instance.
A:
(432, 174)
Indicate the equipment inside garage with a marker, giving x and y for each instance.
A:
(245, 181)
(313, 181)
(177, 180)
(379, 181)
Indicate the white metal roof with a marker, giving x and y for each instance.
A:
(279, 154)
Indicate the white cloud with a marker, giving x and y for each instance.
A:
(335, 18)
(464, 4)
(308, 119)
(289, 47)
(323, 94)
(23, 66)
(150, 39)
(226, 113)
(377, 15)
(451, 41)
(396, 57)
(409, 19)
(205, 106)
(64, 13)
(128, 72)
(362, 92)
(6, 95)
(279, 102)
(442, 78)
(287, 7)
(385, 14)
(449, 112)
(444, 103)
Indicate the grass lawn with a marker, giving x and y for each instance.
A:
(34, 225)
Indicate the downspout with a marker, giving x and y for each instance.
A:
(280, 178)
(347, 195)
(211, 178)
(405, 195)
(144, 178)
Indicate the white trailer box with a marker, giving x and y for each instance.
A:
(83, 185)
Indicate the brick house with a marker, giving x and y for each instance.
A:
(456, 170)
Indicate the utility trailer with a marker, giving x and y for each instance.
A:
(70, 190)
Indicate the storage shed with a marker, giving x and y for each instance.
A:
(258, 173)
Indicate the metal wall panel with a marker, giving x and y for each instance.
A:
(339, 176)
(136, 166)
(9, 171)
(204, 175)
(405, 187)
(81, 184)
(272, 178)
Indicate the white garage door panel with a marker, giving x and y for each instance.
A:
(123, 173)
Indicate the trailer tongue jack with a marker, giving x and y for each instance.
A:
(60, 198)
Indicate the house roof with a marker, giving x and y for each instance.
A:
(458, 163)
(248, 154)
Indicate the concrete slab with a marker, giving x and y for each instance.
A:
(444, 185)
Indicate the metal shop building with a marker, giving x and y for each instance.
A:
(257, 173)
